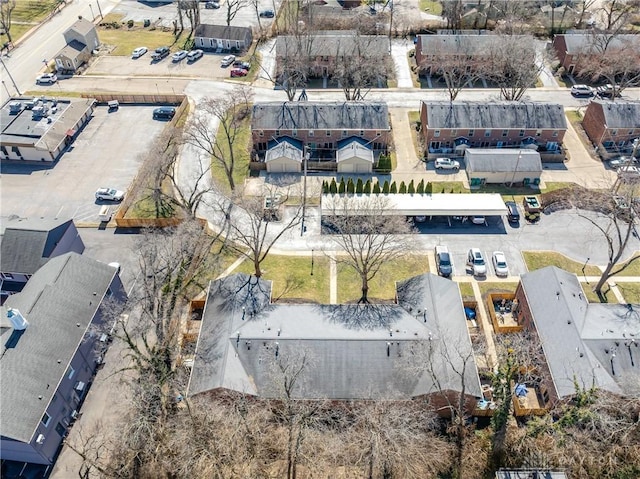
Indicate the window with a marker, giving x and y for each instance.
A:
(6, 276)
(504, 133)
(344, 133)
(311, 133)
(378, 133)
(294, 133)
(361, 132)
(630, 133)
(436, 133)
(277, 132)
(614, 132)
(538, 132)
(60, 429)
(521, 133)
(487, 133)
(454, 132)
(471, 133)
(328, 133)
(555, 133)
(46, 419)
(70, 372)
(261, 133)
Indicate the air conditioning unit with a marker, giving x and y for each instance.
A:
(80, 386)
(74, 414)
(40, 439)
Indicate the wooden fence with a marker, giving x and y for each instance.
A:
(499, 326)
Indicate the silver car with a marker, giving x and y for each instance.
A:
(109, 194)
(500, 263)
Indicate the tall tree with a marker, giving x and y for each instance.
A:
(368, 234)
(6, 10)
(233, 7)
(255, 223)
(216, 126)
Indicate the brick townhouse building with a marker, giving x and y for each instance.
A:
(612, 126)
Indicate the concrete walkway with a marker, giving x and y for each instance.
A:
(399, 51)
(407, 159)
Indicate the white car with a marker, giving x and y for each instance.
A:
(475, 259)
(479, 220)
(179, 55)
(138, 52)
(46, 79)
(447, 164)
(109, 194)
(622, 161)
(582, 90)
(228, 60)
(500, 263)
(193, 55)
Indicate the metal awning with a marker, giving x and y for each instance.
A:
(439, 204)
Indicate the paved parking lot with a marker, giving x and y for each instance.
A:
(207, 67)
(105, 153)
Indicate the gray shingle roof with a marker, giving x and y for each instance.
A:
(222, 32)
(320, 116)
(620, 113)
(56, 298)
(574, 333)
(456, 44)
(350, 349)
(26, 245)
(498, 160)
(332, 44)
(472, 115)
(73, 49)
(82, 26)
(579, 42)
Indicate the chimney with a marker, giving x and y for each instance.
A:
(17, 320)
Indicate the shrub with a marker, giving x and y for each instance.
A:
(403, 188)
(341, 186)
(130, 24)
(385, 187)
(429, 188)
(359, 186)
(367, 187)
(384, 163)
(393, 189)
(420, 189)
(376, 189)
(411, 189)
(333, 187)
(350, 186)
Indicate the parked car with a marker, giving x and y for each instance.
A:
(608, 91)
(241, 64)
(479, 220)
(582, 90)
(500, 263)
(138, 52)
(443, 261)
(164, 113)
(109, 194)
(622, 161)
(160, 53)
(629, 170)
(210, 5)
(227, 60)
(267, 14)
(447, 164)
(179, 56)
(475, 259)
(193, 55)
(513, 215)
(239, 72)
(46, 79)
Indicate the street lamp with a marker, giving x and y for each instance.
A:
(92, 15)
(307, 154)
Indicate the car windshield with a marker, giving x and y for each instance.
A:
(501, 264)
(112, 192)
(444, 259)
(479, 260)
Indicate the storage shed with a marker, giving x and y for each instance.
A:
(502, 166)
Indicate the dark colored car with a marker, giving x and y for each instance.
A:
(160, 53)
(513, 215)
(241, 64)
(443, 261)
(164, 113)
(210, 5)
(267, 14)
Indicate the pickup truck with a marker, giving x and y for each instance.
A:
(160, 53)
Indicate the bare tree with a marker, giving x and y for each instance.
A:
(616, 13)
(191, 9)
(256, 223)
(453, 10)
(358, 66)
(215, 128)
(455, 68)
(368, 234)
(512, 65)
(6, 10)
(612, 57)
(294, 57)
(584, 7)
(233, 7)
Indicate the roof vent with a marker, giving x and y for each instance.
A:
(17, 320)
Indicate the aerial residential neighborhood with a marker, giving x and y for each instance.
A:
(368, 238)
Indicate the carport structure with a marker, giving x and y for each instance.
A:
(439, 204)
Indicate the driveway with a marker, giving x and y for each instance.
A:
(106, 153)
(399, 52)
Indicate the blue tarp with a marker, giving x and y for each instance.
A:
(521, 390)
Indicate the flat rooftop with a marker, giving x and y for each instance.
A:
(442, 204)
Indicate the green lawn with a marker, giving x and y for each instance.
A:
(539, 259)
(430, 6)
(32, 10)
(241, 148)
(488, 287)
(573, 116)
(633, 269)
(448, 187)
(593, 297)
(630, 292)
(382, 288)
(292, 279)
(466, 290)
(126, 39)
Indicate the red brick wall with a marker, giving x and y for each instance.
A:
(319, 137)
(593, 122)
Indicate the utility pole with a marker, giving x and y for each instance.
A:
(10, 77)
(513, 178)
(305, 158)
